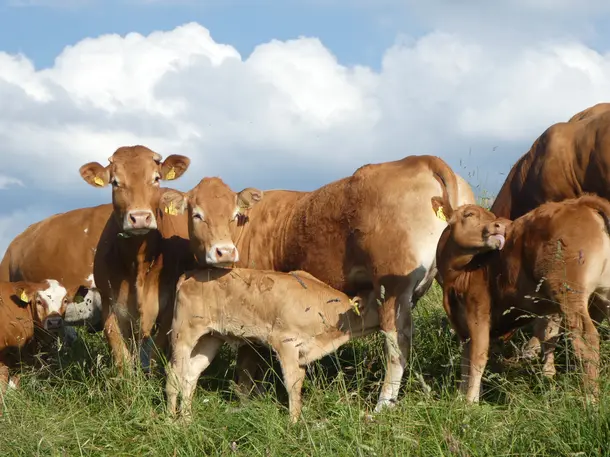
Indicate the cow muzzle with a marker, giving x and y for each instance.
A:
(496, 235)
(220, 255)
(139, 222)
(53, 322)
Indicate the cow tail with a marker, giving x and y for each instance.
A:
(445, 175)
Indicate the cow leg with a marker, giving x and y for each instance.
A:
(395, 322)
(249, 368)
(116, 340)
(465, 369)
(4, 377)
(293, 374)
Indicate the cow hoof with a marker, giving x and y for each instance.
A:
(384, 403)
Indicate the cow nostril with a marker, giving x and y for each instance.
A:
(132, 218)
(219, 253)
(148, 218)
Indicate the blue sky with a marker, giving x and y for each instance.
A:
(284, 94)
(364, 32)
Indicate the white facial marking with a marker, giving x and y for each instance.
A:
(91, 280)
(53, 296)
(86, 230)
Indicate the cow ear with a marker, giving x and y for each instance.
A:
(95, 174)
(174, 166)
(441, 210)
(173, 202)
(249, 197)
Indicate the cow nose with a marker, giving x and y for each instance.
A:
(221, 254)
(140, 219)
(53, 323)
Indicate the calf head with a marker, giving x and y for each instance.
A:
(215, 214)
(476, 230)
(135, 173)
(48, 301)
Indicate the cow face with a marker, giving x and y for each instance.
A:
(135, 173)
(214, 213)
(48, 303)
(475, 229)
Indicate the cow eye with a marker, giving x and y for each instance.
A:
(197, 217)
(114, 182)
(469, 214)
(157, 179)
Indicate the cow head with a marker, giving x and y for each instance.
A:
(476, 229)
(214, 212)
(135, 173)
(48, 301)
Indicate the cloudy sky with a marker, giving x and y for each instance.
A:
(283, 93)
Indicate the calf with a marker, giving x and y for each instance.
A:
(498, 275)
(299, 317)
(25, 306)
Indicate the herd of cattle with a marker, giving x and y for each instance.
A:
(304, 272)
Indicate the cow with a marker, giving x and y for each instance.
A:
(375, 230)
(62, 247)
(498, 275)
(297, 315)
(26, 308)
(568, 160)
(142, 250)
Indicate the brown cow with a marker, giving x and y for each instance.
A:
(375, 229)
(61, 247)
(25, 306)
(297, 315)
(142, 251)
(568, 160)
(498, 275)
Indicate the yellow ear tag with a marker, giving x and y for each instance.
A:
(97, 180)
(171, 174)
(24, 297)
(171, 209)
(354, 303)
(440, 214)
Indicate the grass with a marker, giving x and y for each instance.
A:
(78, 406)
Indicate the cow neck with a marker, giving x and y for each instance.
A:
(242, 220)
(139, 249)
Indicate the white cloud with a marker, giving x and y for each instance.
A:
(289, 113)
(6, 181)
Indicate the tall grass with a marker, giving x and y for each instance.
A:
(79, 406)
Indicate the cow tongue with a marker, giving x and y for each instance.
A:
(500, 238)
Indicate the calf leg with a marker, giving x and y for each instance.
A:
(187, 365)
(585, 339)
(293, 375)
(478, 350)
(550, 335)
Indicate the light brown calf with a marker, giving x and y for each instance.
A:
(24, 308)
(568, 160)
(497, 275)
(298, 316)
(142, 250)
(374, 230)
